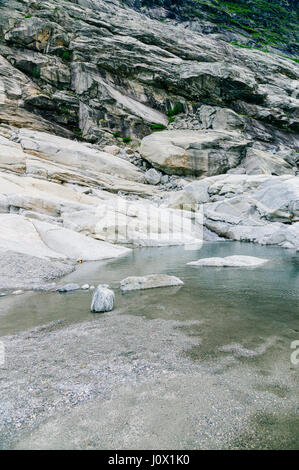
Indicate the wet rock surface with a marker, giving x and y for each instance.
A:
(150, 281)
(230, 261)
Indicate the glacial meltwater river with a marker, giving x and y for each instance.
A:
(205, 366)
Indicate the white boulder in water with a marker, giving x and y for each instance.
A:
(103, 299)
(230, 261)
(150, 281)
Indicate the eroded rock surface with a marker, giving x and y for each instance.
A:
(194, 153)
(83, 83)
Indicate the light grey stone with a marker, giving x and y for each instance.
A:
(194, 153)
(153, 176)
(103, 300)
(150, 281)
(230, 261)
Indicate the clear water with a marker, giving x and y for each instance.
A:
(237, 303)
(248, 319)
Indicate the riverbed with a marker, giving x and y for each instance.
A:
(205, 366)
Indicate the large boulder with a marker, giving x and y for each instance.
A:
(190, 197)
(219, 118)
(259, 162)
(266, 214)
(150, 281)
(194, 153)
(278, 200)
(103, 300)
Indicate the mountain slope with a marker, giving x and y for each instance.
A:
(100, 71)
(77, 76)
(256, 23)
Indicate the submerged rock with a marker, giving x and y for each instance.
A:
(44, 287)
(103, 300)
(68, 288)
(18, 292)
(149, 282)
(230, 261)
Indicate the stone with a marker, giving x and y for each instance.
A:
(266, 163)
(279, 199)
(103, 300)
(230, 261)
(182, 200)
(152, 176)
(212, 117)
(199, 190)
(112, 149)
(85, 287)
(68, 288)
(150, 281)
(44, 240)
(75, 154)
(18, 292)
(194, 153)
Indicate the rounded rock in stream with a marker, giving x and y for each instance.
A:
(103, 300)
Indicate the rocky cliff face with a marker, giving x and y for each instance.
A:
(251, 23)
(76, 76)
(101, 70)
